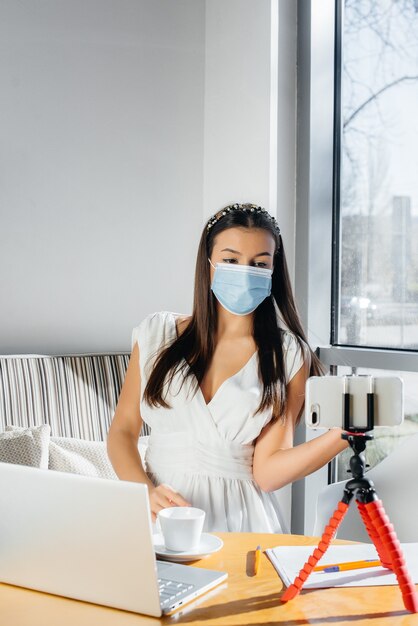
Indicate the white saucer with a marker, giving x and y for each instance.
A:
(208, 545)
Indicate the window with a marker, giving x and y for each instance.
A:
(377, 182)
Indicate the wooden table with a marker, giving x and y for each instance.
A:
(243, 599)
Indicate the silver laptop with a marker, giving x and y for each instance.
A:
(89, 539)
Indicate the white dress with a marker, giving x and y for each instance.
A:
(204, 451)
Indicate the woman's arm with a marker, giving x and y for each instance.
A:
(122, 440)
(276, 462)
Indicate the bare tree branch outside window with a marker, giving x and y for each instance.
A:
(379, 187)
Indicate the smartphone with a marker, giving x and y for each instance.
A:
(324, 400)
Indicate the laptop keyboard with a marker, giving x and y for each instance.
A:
(170, 590)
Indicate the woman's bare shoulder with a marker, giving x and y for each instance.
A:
(182, 322)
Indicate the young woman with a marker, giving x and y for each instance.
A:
(223, 388)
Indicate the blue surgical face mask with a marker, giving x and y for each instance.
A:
(240, 288)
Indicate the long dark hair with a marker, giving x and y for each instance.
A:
(192, 351)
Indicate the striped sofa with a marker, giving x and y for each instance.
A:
(55, 411)
(75, 395)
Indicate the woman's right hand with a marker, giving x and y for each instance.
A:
(162, 497)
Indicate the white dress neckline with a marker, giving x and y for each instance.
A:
(223, 384)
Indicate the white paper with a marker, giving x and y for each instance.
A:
(289, 560)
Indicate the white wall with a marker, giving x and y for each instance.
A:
(237, 103)
(286, 129)
(101, 167)
(125, 124)
(250, 108)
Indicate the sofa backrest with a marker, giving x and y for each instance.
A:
(75, 395)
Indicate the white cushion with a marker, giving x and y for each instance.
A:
(79, 456)
(67, 454)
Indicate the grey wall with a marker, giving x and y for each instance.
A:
(125, 124)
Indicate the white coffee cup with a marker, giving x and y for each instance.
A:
(181, 527)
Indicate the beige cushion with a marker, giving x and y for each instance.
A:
(25, 446)
(34, 447)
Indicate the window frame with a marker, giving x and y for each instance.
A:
(340, 350)
(343, 353)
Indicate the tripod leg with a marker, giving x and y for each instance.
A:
(317, 554)
(393, 550)
(374, 535)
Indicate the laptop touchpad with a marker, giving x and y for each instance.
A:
(162, 566)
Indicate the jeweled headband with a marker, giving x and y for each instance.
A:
(247, 208)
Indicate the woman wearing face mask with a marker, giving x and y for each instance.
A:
(223, 388)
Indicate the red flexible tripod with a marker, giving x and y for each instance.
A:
(378, 526)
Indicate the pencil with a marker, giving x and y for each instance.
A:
(257, 558)
(342, 567)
